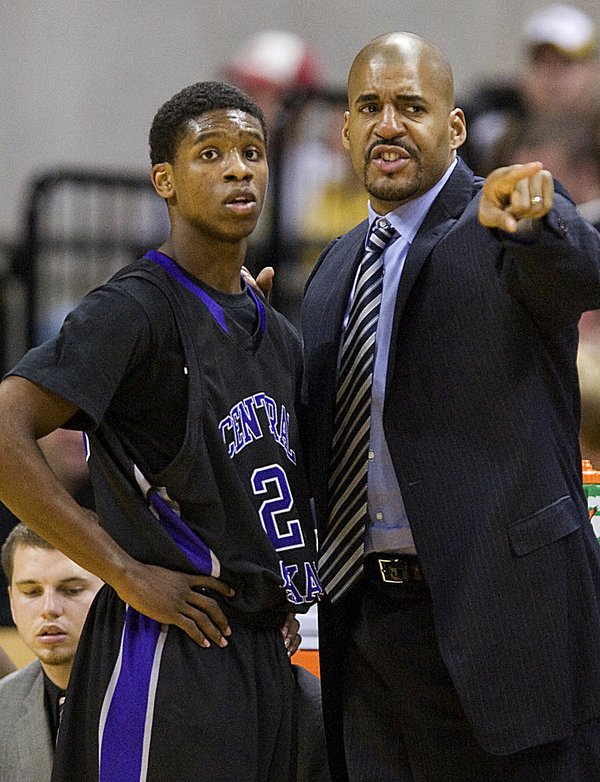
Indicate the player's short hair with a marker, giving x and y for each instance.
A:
(172, 119)
(21, 535)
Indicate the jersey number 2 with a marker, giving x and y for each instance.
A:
(273, 481)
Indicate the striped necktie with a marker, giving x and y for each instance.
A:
(341, 555)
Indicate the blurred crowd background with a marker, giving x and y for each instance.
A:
(81, 83)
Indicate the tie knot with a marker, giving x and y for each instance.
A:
(381, 234)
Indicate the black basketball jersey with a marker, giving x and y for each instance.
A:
(232, 502)
(234, 499)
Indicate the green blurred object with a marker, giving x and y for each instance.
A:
(591, 487)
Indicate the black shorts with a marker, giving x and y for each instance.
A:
(145, 703)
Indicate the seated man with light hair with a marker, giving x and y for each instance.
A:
(49, 598)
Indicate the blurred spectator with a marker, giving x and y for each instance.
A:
(571, 152)
(270, 66)
(310, 172)
(64, 449)
(560, 77)
(65, 452)
(588, 366)
(50, 596)
(338, 206)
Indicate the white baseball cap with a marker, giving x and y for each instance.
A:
(566, 28)
(275, 57)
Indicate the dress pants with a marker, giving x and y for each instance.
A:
(403, 721)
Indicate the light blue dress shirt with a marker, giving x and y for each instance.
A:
(389, 528)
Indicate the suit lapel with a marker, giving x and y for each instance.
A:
(337, 269)
(33, 735)
(325, 306)
(444, 212)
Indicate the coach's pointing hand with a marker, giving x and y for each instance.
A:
(513, 193)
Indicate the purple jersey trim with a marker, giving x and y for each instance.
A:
(262, 316)
(127, 729)
(213, 307)
(171, 268)
(198, 553)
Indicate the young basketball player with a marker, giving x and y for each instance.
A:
(185, 383)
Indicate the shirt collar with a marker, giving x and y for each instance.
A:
(408, 217)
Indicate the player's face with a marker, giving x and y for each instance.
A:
(49, 597)
(400, 129)
(219, 176)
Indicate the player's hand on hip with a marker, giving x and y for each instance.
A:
(180, 599)
(513, 193)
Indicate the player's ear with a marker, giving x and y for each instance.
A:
(161, 176)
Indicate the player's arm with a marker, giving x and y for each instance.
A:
(34, 494)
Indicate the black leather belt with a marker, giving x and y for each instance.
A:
(401, 572)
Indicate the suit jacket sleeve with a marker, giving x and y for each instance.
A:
(556, 272)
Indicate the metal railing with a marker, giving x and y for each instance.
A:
(81, 225)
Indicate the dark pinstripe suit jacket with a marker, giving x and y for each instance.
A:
(481, 417)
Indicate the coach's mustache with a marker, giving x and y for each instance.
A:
(411, 151)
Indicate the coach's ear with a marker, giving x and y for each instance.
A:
(345, 139)
(458, 128)
(161, 176)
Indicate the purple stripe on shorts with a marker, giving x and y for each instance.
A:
(121, 756)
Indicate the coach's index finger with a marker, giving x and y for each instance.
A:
(501, 204)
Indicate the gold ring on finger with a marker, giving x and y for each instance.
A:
(535, 200)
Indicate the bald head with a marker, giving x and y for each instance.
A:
(410, 50)
(401, 128)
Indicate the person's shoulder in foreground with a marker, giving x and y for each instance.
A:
(26, 746)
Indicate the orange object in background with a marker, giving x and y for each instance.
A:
(309, 659)
(589, 472)
(308, 654)
(591, 487)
